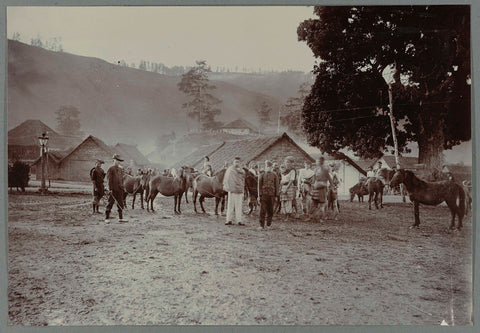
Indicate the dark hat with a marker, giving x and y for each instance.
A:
(100, 161)
(117, 157)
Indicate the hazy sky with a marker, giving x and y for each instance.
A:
(250, 37)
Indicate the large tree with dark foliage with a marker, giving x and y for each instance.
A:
(429, 49)
(202, 106)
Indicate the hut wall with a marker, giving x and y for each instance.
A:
(51, 170)
(282, 149)
(77, 166)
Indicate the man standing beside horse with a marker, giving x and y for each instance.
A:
(97, 175)
(304, 174)
(319, 188)
(268, 191)
(115, 185)
(234, 184)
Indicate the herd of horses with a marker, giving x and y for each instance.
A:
(148, 186)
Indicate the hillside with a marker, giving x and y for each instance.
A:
(117, 104)
(280, 85)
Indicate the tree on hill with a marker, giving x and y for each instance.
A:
(202, 106)
(293, 118)
(264, 112)
(428, 48)
(68, 122)
(16, 36)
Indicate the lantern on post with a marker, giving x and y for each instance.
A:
(43, 145)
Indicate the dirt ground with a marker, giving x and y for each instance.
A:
(67, 267)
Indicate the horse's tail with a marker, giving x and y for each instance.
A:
(462, 203)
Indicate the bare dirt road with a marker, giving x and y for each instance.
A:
(67, 267)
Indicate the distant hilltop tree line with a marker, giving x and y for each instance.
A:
(55, 44)
(158, 67)
(52, 44)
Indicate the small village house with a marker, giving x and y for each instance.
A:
(239, 127)
(257, 150)
(132, 156)
(23, 144)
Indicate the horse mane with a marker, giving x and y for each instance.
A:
(220, 174)
(412, 181)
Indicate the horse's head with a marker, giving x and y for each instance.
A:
(220, 175)
(398, 177)
(250, 179)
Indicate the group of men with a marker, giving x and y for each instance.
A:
(273, 182)
(115, 185)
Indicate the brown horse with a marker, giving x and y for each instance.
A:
(358, 190)
(375, 192)
(168, 186)
(133, 185)
(209, 187)
(432, 193)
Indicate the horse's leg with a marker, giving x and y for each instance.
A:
(222, 209)
(195, 194)
(133, 201)
(175, 197)
(153, 194)
(416, 213)
(370, 200)
(454, 210)
(141, 199)
(147, 198)
(202, 198)
(179, 202)
(217, 201)
(381, 197)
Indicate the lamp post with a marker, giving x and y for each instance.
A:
(43, 144)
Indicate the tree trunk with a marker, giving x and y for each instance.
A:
(430, 147)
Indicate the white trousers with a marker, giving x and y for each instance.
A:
(234, 205)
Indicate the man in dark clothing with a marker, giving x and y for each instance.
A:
(268, 191)
(115, 184)
(97, 175)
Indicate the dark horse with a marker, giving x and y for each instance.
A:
(358, 190)
(18, 175)
(375, 192)
(209, 187)
(168, 186)
(432, 193)
(134, 185)
(251, 189)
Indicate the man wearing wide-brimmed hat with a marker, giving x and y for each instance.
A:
(115, 184)
(97, 175)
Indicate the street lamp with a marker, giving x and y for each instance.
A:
(43, 144)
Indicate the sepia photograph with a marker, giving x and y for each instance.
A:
(239, 165)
